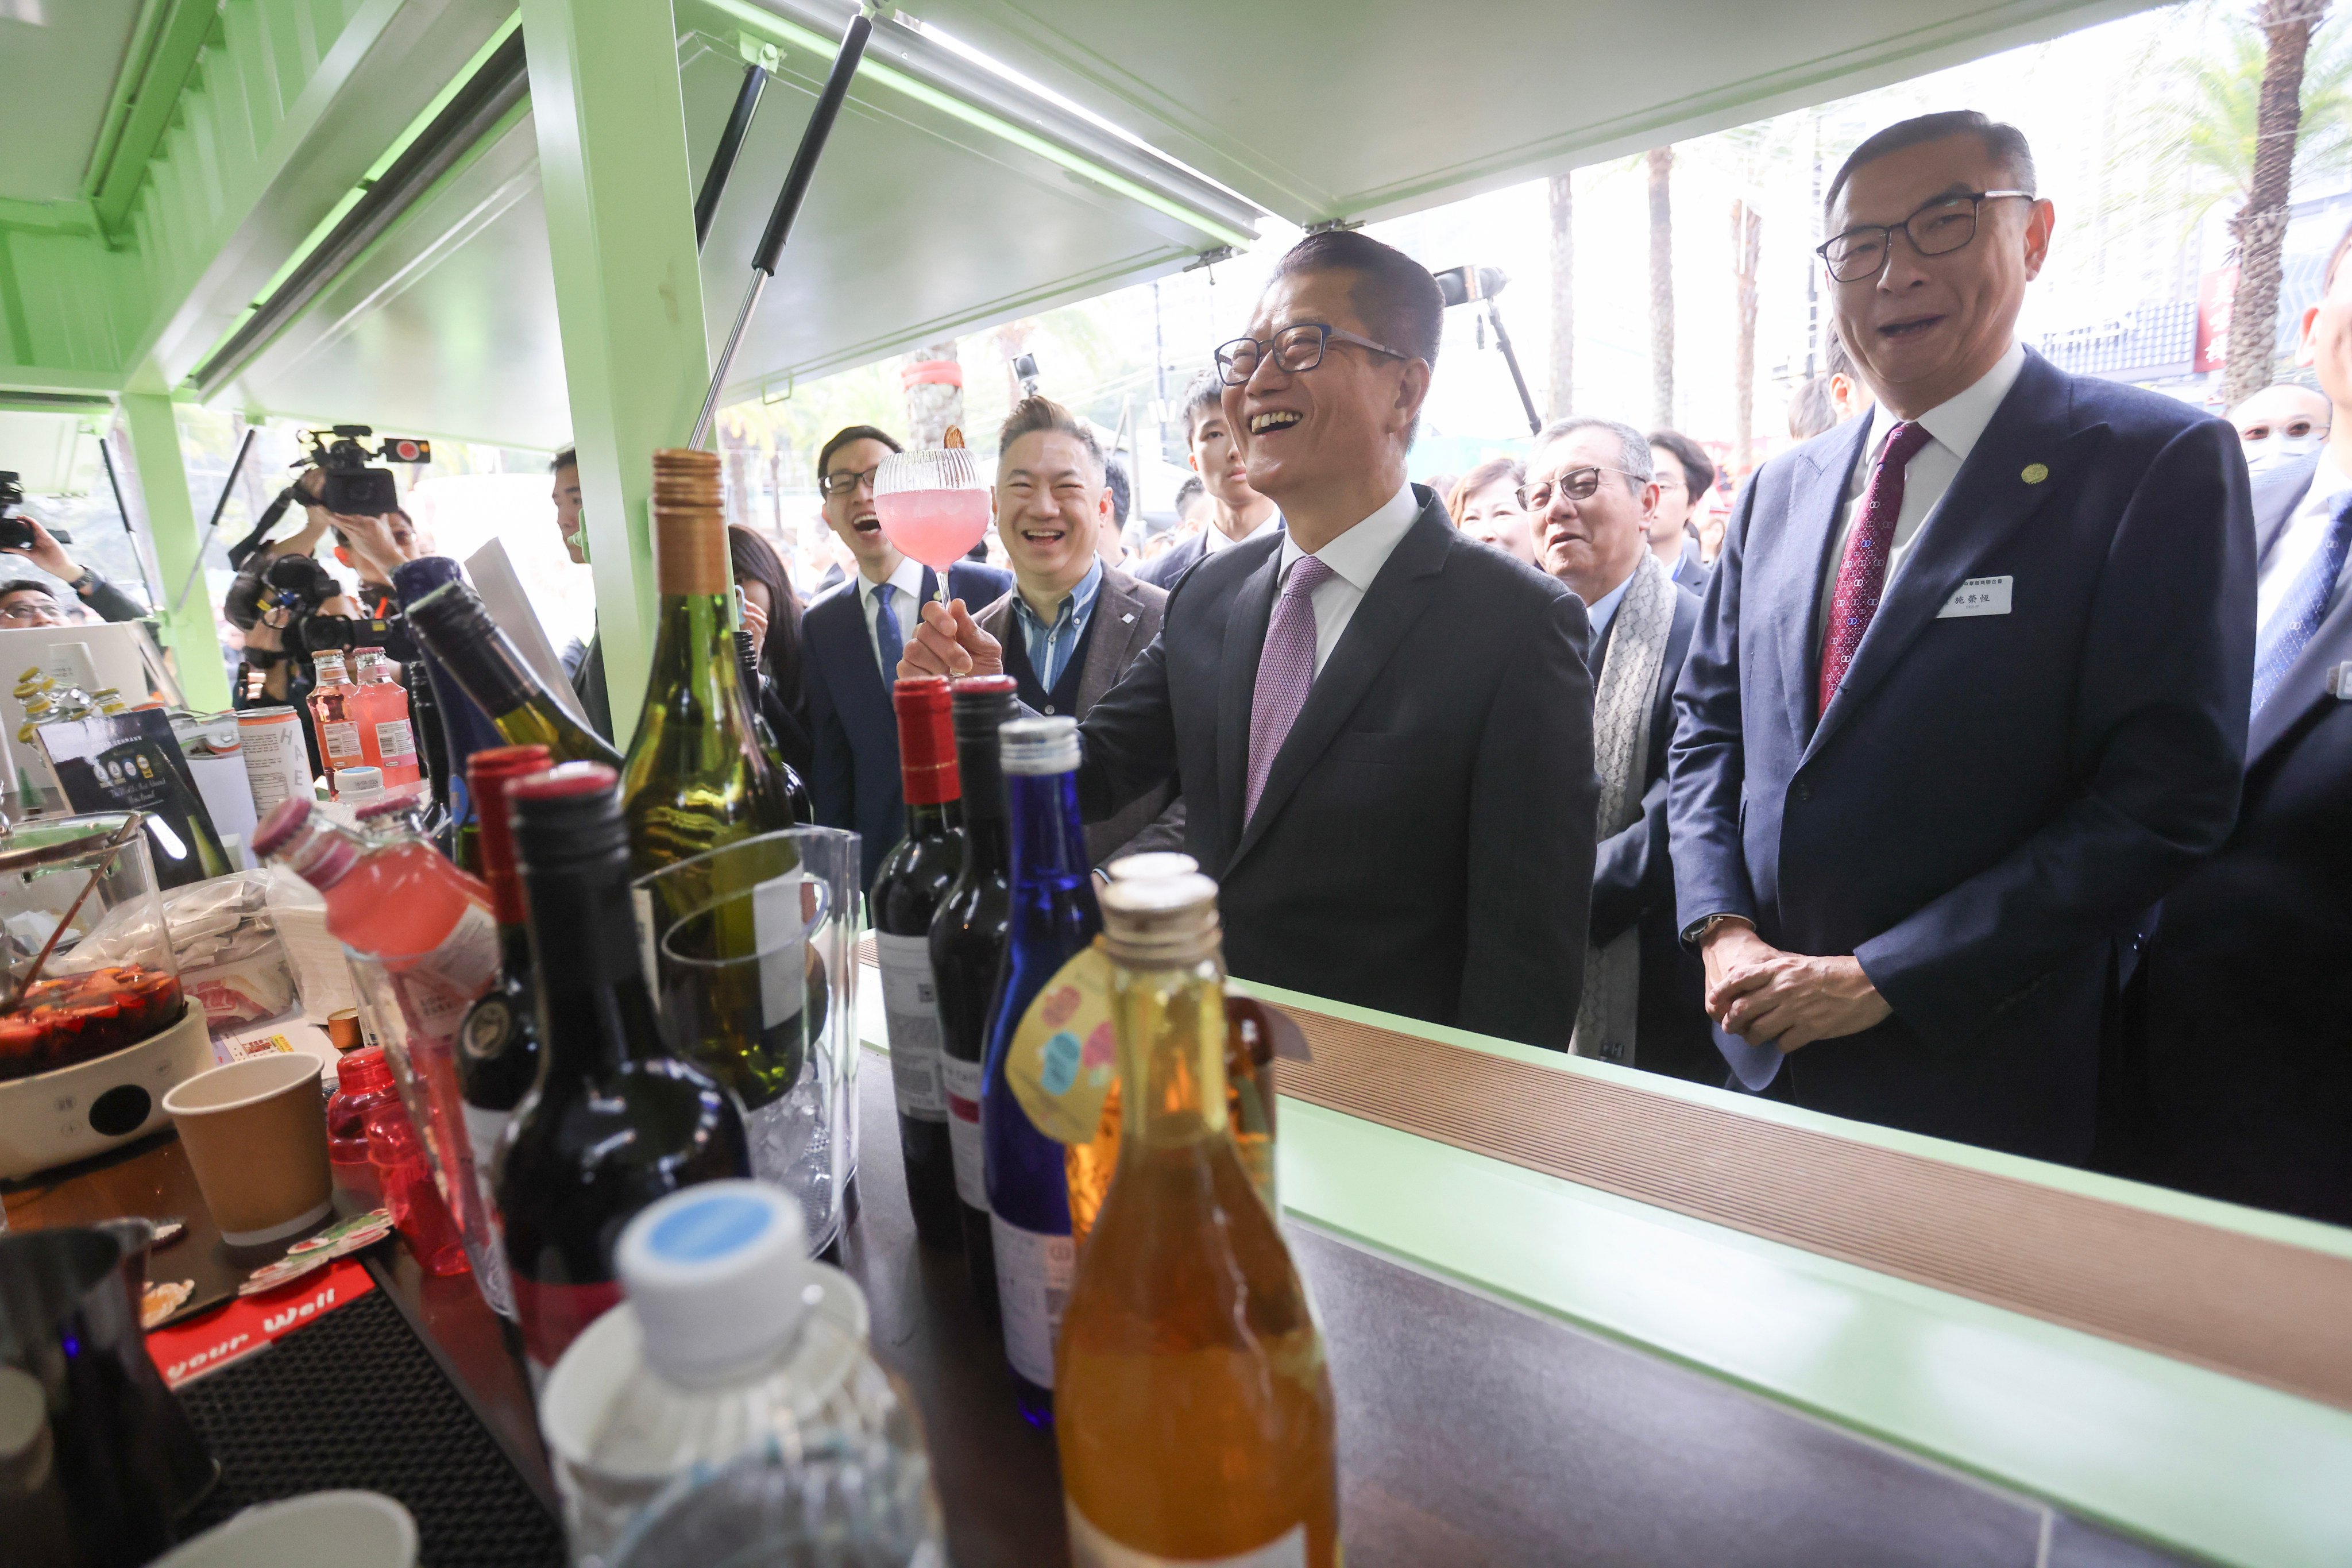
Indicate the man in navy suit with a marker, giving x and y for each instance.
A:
(1382, 730)
(1236, 512)
(2243, 1049)
(1969, 691)
(854, 633)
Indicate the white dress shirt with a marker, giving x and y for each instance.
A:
(1355, 558)
(1954, 426)
(1602, 610)
(908, 580)
(2297, 542)
(1214, 538)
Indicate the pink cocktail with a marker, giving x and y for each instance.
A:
(937, 527)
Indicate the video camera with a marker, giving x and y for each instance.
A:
(351, 487)
(17, 532)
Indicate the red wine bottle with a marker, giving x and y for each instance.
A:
(967, 951)
(498, 1043)
(914, 880)
(616, 1119)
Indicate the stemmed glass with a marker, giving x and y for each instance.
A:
(932, 505)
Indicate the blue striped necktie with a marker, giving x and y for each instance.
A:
(2278, 644)
(887, 637)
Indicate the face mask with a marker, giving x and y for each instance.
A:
(2278, 450)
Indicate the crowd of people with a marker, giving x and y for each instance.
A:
(1985, 776)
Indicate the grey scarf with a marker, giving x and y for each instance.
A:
(1620, 746)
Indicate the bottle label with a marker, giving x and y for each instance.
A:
(640, 906)
(779, 927)
(1065, 1054)
(1033, 1285)
(1091, 1548)
(393, 740)
(552, 1316)
(431, 1009)
(342, 743)
(960, 1086)
(467, 960)
(911, 1008)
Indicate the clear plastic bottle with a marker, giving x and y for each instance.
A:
(379, 705)
(331, 712)
(732, 1345)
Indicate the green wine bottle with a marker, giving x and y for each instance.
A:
(697, 784)
(457, 631)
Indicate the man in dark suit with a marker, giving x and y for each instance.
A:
(1382, 730)
(1236, 512)
(2244, 1051)
(854, 633)
(1969, 692)
(1592, 497)
(1072, 624)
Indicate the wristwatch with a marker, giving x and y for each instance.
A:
(1699, 932)
(86, 581)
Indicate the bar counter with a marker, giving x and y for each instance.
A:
(1529, 1370)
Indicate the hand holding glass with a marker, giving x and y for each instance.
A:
(934, 506)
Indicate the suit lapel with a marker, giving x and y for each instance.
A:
(1115, 624)
(863, 698)
(2277, 501)
(1987, 500)
(1237, 656)
(2306, 682)
(1815, 503)
(1395, 601)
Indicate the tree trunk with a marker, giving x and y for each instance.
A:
(1662, 286)
(1564, 295)
(1747, 252)
(2260, 226)
(932, 404)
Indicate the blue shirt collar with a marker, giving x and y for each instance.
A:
(1075, 607)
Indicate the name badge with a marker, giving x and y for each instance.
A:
(1977, 596)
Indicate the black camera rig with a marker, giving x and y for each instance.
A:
(348, 484)
(17, 532)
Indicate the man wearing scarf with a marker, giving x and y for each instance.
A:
(1592, 493)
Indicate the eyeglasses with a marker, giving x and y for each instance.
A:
(31, 611)
(1942, 227)
(841, 483)
(1296, 350)
(1577, 484)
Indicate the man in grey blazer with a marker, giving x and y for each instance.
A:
(1072, 624)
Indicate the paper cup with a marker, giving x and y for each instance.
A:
(255, 1133)
(349, 1529)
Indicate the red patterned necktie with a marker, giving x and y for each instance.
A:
(1862, 576)
(1285, 669)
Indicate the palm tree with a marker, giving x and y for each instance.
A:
(1747, 252)
(1660, 161)
(2260, 226)
(2238, 116)
(1564, 295)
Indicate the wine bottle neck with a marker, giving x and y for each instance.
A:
(1170, 1023)
(1048, 841)
(593, 999)
(927, 819)
(695, 663)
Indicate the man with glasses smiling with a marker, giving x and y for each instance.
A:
(1382, 730)
(850, 643)
(1969, 689)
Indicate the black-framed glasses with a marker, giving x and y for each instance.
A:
(848, 479)
(1297, 348)
(1938, 228)
(1577, 484)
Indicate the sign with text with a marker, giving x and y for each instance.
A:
(185, 1352)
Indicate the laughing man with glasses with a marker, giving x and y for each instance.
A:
(1383, 728)
(1969, 689)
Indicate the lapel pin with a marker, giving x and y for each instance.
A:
(2035, 473)
(1128, 618)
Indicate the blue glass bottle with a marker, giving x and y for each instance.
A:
(1053, 917)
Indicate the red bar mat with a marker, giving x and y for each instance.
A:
(2266, 1311)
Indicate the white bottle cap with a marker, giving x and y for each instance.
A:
(354, 786)
(718, 1276)
(1033, 746)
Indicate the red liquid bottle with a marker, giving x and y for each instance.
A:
(414, 1203)
(330, 715)
(362, 1084)
(379, 706)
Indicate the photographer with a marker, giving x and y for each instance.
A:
(108, 601)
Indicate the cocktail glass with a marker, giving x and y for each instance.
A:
(932, 505)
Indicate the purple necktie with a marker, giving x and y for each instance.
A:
(1285, 669)
(1862, 576)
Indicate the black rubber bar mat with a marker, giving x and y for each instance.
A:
(355, 1400)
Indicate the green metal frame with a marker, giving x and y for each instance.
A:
(154, 430)
(619, 189)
